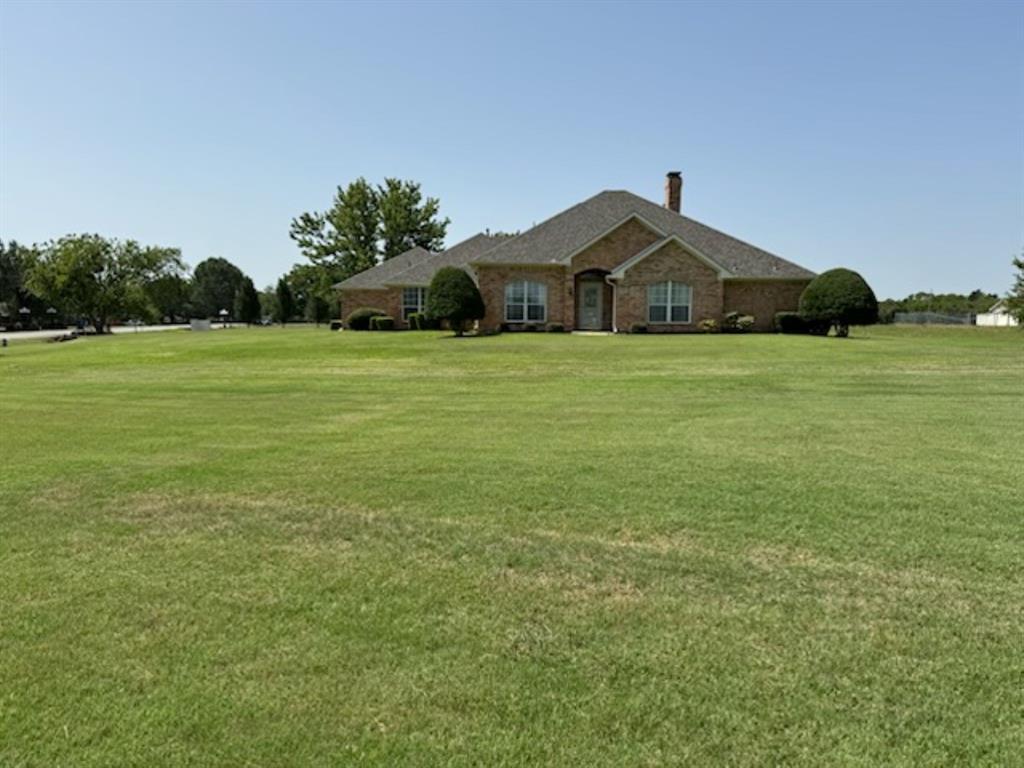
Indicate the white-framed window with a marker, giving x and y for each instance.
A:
(413, 300)
(669, 302)
(526, 302)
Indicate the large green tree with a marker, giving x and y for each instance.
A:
(11, 268)
(14, 293)
(99, 279)
(285, 302)
(268, 302)
(311, 284)
(215, 282)
(247, 303)
(344, 237)
(407, 219)
(1015, 300)
(366, 224)
(171, 293)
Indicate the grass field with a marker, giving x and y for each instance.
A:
(295, 547)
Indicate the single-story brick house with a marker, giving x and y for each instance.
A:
(608, 263)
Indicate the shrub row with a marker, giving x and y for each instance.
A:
(734, 322)
(533, 327)
(359, 319)
(419, 321)
(793, 322)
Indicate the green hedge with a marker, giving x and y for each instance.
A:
(420, 321)
(359, 320)
(790, 322)
(382, 323)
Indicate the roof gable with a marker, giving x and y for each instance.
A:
(557, 239)
(653, 248)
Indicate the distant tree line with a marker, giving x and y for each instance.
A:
(974, 302)
(98, 281)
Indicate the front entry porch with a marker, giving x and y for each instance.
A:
(593, 302)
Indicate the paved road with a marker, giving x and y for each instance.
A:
(40, 335)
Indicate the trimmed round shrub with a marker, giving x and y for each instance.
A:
(382, 323)
(838, 298)
(708, 325)
(359, 319)
(453, 296)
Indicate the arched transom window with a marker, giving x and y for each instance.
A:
(526, 302)
(669, 302)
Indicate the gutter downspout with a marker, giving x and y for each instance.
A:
(615, 308)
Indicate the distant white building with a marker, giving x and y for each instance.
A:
(998, 315)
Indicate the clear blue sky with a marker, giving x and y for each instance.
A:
(888, 138)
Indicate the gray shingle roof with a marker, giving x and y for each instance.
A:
(376, 276)
(458, 255)
(555, 241)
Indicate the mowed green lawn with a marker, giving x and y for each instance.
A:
(294, 547)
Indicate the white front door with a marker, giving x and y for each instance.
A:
(590, 299)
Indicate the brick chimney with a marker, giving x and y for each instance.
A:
(674, 191)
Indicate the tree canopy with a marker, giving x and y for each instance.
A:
(1015, 299)
(453, 296)
(407, 220)
(14, 293)
(98, 278)
(285, 302)
(840, 298)
(311, 285)
(367, 223)
(215, 282)
(246, 307)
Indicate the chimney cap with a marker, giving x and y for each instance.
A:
(674, 174)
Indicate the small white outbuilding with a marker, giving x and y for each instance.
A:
(997, 315)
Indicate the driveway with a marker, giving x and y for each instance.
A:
(42, 335)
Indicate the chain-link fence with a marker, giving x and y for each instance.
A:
(932, 318)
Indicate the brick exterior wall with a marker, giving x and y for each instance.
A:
(763, 298)
(387, 299)
(492, 280)
(615, 247)
(673, 263)
(606, 254)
